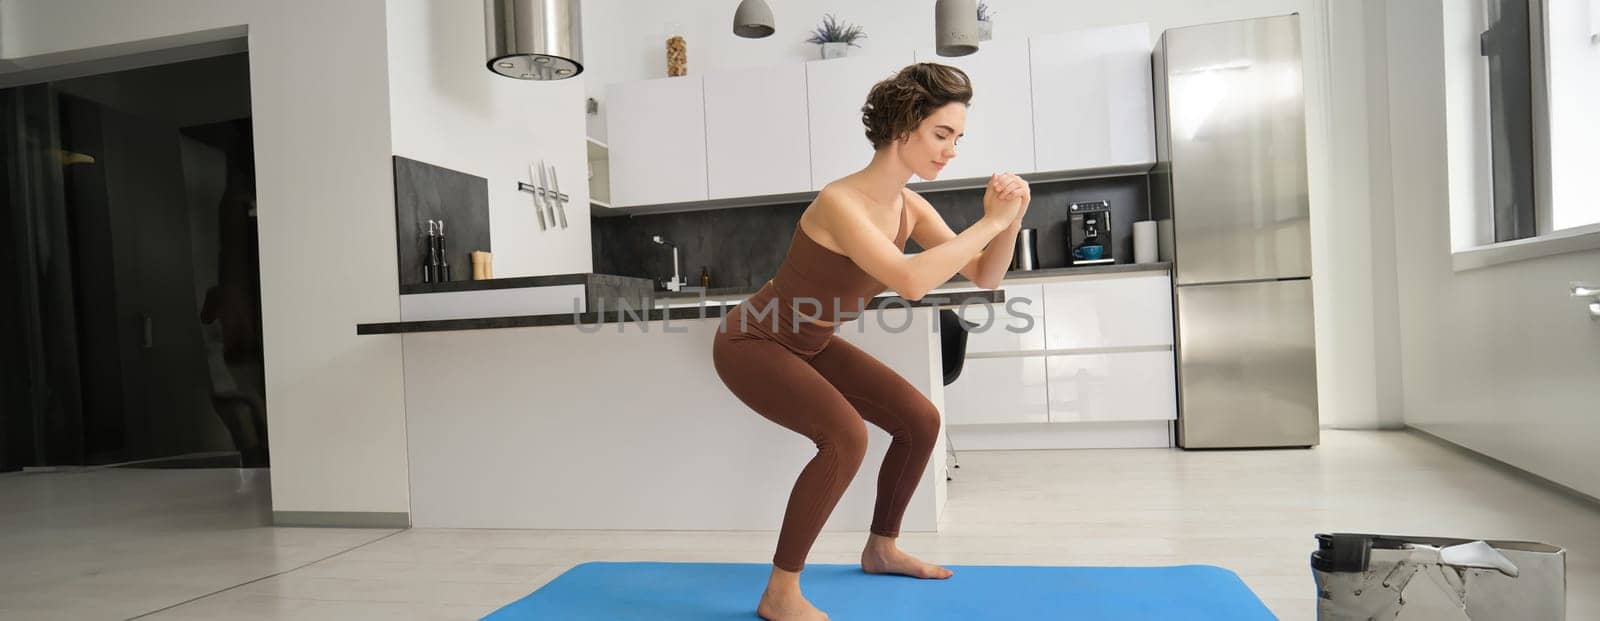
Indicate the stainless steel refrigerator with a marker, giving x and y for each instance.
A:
(1229, 194)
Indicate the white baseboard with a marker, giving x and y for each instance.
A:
(1034, 436)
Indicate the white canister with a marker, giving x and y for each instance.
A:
(1144, 241)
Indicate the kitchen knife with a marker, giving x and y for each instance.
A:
(538, 197)
(549, 198)
(561, 201)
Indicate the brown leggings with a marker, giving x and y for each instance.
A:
(821, 386)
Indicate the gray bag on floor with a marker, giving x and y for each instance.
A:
(1391, 577)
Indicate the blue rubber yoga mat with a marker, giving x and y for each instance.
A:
(669, 591)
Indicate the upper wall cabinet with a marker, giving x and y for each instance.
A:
(835, 90)
(1073, 101)
(999, 128)
(1092, 102)
(657, 134)
(756, 131)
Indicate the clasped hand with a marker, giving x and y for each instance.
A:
(1006, 198)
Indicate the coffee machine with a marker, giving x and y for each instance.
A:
(1089, 239)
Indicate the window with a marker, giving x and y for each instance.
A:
(1507, 48)
(1572, 38)
(1542, 60)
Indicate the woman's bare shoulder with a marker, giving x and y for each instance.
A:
(917, 206)
(831, 201)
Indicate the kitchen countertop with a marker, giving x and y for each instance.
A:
(709, 310)
(1081, 270)
(957, 281)
(547, 280)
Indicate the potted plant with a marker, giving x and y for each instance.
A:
(835, 36)
(985, 27)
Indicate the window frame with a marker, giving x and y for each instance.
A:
(1546, 241)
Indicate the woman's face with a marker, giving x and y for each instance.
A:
(928, 148)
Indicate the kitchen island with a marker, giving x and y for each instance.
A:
(617, 420)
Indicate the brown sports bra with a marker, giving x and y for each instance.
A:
(810, 271)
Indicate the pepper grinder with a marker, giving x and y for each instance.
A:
(444, 261)
(430, 255)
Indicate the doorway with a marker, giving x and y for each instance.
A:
(133, 336)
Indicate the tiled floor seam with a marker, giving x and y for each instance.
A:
(267, 577)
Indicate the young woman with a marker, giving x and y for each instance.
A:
(777, 352)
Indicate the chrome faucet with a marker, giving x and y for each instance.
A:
(677, 282)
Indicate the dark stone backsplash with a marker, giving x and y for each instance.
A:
(423, 192)
(743, 246)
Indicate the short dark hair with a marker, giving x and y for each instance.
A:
(895, 106)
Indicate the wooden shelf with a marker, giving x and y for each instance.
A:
(599, 176)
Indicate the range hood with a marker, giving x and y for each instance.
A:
(534, 39)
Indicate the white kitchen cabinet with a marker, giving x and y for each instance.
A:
(757, 139)
(1116, 310)
(1092, 101)
(835, 91)
(1015, 326)
(1127, 386)
(998, 390)
(999, 130)
(656, 130)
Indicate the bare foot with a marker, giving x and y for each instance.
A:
(782, 600)
(881, 556)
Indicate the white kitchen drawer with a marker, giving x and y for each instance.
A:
(998, 390)
(1128, 386)
(1114, 310)
(996, 322)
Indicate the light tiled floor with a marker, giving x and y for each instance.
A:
(114, 544)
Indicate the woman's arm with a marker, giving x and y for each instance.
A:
(995, 260)
(989, 267)
(910, 277)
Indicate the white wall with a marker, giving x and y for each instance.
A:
(1357, 355)
(448, 110)
(33, 31)
(1352, 213)
(320, 101)
(1497, 359)
(1467, 156)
